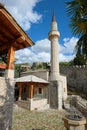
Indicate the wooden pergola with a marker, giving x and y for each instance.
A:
(12, 37)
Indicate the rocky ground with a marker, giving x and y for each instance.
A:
(37, 120)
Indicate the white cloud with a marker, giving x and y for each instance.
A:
(40, 52)
(23, 11)
(65, 58)
(68, 46)
(42, 46)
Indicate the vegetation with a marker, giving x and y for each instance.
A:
(3, 57)
(77, 10)
(40, 65)
(79, 59)
(17, 70)
(66, 63)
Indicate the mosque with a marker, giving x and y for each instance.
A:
(40, 88)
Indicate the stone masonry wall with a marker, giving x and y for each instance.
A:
(6, 103)
(33, 104)
(76, 77)
(44, 74)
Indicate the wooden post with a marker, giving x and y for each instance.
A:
(31, 91)
(10, 62)
(20, 91)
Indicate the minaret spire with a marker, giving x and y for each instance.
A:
(53, 17)
(54, 23)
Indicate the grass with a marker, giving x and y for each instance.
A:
(38, 120)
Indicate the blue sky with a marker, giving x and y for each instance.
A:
(34, 16)
(46, 9)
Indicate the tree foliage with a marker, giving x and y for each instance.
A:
(17, 70)
(79, 60)
(77, 10)
(63, 64)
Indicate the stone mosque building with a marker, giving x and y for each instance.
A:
(38, 87)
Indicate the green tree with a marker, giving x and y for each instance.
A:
(40, 66)
(77, 10)
(17, 70)
(79, 59)
(70, 63)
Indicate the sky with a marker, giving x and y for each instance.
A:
(35, 16)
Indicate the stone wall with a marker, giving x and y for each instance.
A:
(55, 94)
(76, 77)
(6, 103)
(44, 74)
(33, 104)
(80, 104)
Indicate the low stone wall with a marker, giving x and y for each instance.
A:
(6, 103)
(33, 104)
(81, 104)
(39, 104)
(23, 103)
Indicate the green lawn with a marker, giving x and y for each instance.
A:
(38, 120)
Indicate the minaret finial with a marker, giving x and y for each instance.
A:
(53, 17)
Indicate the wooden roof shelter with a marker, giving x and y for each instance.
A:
(30, 82)
(11, 34)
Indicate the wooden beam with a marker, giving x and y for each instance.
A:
(21, 39)
(17, 29)
(2, 66)
(4, 30)
(11, 43)
(2, 39)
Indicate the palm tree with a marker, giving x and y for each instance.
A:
(77, 10)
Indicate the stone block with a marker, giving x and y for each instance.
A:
(55, 94)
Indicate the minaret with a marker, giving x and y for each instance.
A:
(57, 86)
(53, 37)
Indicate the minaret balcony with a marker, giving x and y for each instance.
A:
(53, 34)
